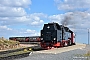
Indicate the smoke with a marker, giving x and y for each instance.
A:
(68, 19)
(80, 11)
(76, 20)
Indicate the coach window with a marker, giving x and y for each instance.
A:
(30, 38)
(34, 38)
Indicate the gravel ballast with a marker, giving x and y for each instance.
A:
(65, 55)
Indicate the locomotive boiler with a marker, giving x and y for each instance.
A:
(55, 35)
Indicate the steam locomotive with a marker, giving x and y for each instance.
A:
(55, 35)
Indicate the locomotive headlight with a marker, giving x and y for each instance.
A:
(54, 39)
(41, 38)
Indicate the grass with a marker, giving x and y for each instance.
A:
(14, 53)
(87, 55)
(8, 44)
(83, 55)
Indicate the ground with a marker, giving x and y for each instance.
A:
(66, 53)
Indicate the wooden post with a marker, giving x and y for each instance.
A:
(2, 38)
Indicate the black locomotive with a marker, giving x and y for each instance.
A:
(55, 35)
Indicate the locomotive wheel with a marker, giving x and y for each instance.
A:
(69, 43)
(73, 44)
(65, 44)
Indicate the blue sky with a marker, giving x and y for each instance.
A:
(44, 6)
(27, 17)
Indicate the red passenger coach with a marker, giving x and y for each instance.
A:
(26, 39)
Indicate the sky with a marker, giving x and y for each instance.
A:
(27, 17)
